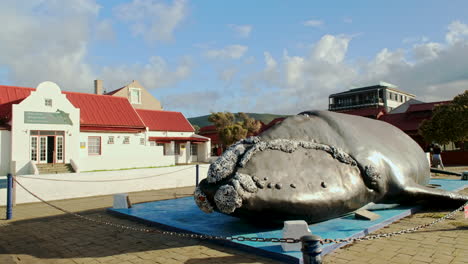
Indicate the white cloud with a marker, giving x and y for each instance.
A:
(49, 40)
(153, 75)
(457, 32)
(430, 70)
(153, 20)
(227, 74)
(242, 31)
(313, 23)
(229, 52)
(331, 49)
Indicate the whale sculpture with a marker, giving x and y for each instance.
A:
(319, 165)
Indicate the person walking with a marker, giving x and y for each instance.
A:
(436, 157)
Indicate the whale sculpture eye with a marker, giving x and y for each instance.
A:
(323, 185)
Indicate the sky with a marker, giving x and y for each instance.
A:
(264, 56)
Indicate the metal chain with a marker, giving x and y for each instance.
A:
(391, 234)
(117, 180)
(244, 238)
(170, 233)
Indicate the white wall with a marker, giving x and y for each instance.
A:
(21, 132)
(5, 152)
(119, 155)
(171, 177)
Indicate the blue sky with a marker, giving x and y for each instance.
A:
(253, 56)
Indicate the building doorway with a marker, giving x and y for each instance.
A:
(47, 146)
(50, 149)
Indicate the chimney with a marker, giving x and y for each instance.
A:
(98, 87)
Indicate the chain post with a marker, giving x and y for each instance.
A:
(9, 209)
(311, 249)
(196, 174)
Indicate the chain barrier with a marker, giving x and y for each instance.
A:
(116, 180)
(391, 234)
(244, 238)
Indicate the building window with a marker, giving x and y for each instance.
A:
(176, 148)
(34, 148)
(94, 145)
(135, 96)
(193, 149)
(48, 102)
(152, 143)
(142, 141)
(126, 140)
(110, 140)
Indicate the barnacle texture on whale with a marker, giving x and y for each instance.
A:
(316, 166)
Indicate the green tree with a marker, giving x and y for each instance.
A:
(232, 128)
(196, 128)
(449, 122)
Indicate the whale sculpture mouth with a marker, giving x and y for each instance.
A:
(224, 189)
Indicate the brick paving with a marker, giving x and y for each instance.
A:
(41, 234)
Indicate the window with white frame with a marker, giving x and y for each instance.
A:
(193, 149)
(126, 140)
(142, 141)
(48, 102)
(94, 145)
(135, 96)
(110, 140)
(152, 143)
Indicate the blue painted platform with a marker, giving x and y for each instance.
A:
(183, 215)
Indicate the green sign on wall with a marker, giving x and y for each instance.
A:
(57, 118)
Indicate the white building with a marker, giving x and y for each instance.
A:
(383, 95)
(46, 130)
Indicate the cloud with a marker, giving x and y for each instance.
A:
(432, 71)
(49, 40)
(227, 74)
(155, 74)
(242, 31)
(153, 20)
(313, 23)
(457, 32)
(229, 52)
(178, 102)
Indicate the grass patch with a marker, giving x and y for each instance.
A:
(134, 168)
(434, 215)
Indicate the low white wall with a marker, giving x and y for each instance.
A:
(171, 177)
(5, 151)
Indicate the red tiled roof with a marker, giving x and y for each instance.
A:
(11, 95)
(168, 139)
(374, 112)
(103, 110)
(160, 120)
(424, 106)
(95, 110)
(207, 129)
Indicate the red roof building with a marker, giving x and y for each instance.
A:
(97, 112)
(374, 113)
(165, 121)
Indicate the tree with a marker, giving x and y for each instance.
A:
(449, 122)
(232, 128)
(196, 128)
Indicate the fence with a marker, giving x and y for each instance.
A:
(74, 185)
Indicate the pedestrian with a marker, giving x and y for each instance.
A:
(436, 157)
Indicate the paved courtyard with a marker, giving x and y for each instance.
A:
(41, 234)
